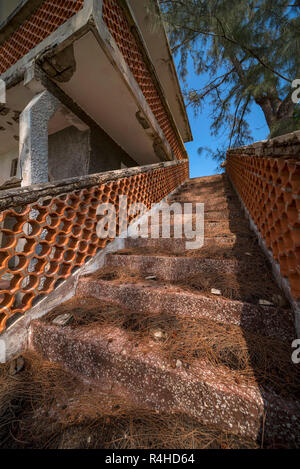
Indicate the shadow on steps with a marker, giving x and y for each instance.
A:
(279, 362)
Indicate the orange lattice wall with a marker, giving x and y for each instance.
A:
(44, 241)
(119, 28)
(270, 190)
(46, 19)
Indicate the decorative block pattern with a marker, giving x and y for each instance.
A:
(46, 19)
(119, 28)
(270, 189)
(46, 241)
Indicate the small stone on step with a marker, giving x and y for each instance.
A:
(62, 320)
(265, 303)
(151, 277)
(248, 253)
(178, 364)
(16, 366)
(214, 291)
(158, 334)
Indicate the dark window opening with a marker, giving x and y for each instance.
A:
(14, 167)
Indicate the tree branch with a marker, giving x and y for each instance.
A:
(211, 86)
(234, 121)
(233, 41)
(243, 113)
(251, 52)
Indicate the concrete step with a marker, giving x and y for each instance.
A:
(223, 215)
(200, 198)
(212, 227)
(219, 203)
(152, 297)
(220, 216)
(177, 245)
(197, 194)
(210, 218)
(241, 252)
(108, 358)
(172, 269)
(214, 213)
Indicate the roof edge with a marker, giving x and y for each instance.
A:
(134, 8)
(183, 106)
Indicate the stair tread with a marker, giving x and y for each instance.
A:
(144, 352)
(108, 356)
(227, 271)
(186, 257)
(153, 296)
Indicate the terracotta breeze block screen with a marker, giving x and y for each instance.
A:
(270, 189)
(43, 242)
(46, 19)
(119, 28)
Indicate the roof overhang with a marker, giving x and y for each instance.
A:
(157, 44)
(98, 87)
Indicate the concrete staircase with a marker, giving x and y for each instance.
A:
(206, 333)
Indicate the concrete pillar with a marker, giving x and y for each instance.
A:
(33, 149)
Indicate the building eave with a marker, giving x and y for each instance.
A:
(163, 62)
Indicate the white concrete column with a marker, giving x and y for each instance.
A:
(33, 150)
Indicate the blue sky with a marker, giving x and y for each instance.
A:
(204, 165)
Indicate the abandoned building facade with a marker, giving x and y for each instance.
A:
(91, 87)
(93, 109)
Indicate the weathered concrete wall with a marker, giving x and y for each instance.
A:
(285, 146)
(106, 155)
(33, 144)
(75, 153)
(68, 153)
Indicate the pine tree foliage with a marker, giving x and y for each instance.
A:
(251, 53)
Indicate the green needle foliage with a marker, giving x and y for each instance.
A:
(251, 53)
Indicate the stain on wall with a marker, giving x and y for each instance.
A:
(68, 153)
(77, 153)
